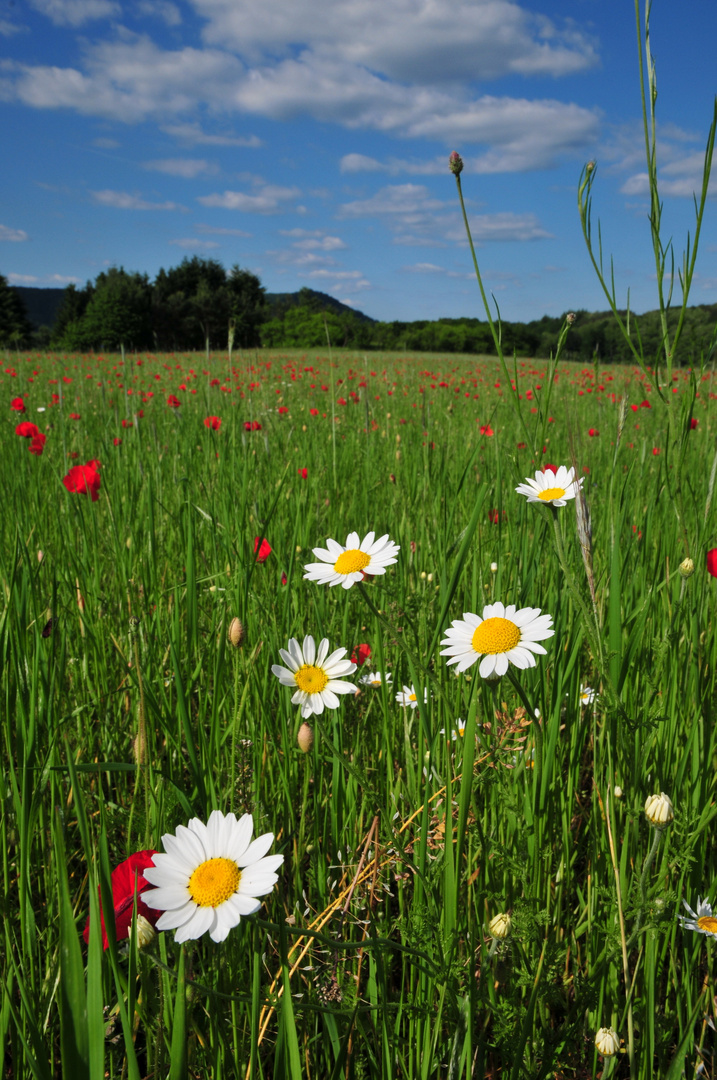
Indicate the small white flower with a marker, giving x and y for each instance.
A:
(702, 920)
(501, 636)
(458, 731)
(659, 810)
(347, 565)
(375, 678)
(499, 926)
(607, 1042)
(551, 487)
(314, 674)
(587, 695)
(209, 876)
(407, 697)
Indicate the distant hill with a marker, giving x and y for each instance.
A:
(42, 305)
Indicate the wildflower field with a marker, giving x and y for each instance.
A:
(480, 816)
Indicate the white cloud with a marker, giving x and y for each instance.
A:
(48, 279)
(76, 12)
(681, 178)
(357, 163)
(394, 199)
(351, 280)
(436, 41)
(15, 236)
(106, 144)
(268, 199)
(187, 168)
(163, 10)
(194, 136)
(122, 200)
(8, 29)
(191, 242)
(313, 239)
(213, 230)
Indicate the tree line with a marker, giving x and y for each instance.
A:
(198, 305)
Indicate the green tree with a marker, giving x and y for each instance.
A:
(247, 304)
(15, 328)
(119, 312)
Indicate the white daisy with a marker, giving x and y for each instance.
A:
(702, 920)
(347, 565)
(551, 487)
(587, 695)
(314, 674)
(210, 875)
(458, 731)
(375, 678)
(408, 698)
(501, 636)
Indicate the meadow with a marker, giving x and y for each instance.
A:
(470, 885)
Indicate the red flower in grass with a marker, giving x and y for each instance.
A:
(284, 578)
(212, 422)
(360, 654)
(592, 432)
(27, 430)
(84, 479)
(313, 412)
(74, 416)
(550, 468)
(282, 410)
(486, 429)
(38, 444)
(264, 549)
(127, 423)
(173, 401)
(252, 425)
(117, 442)
(494, 516)
(17, 404)
(693, 423)
(127, 879)
(712, 562)
(303, 473)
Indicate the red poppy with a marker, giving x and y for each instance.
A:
(212, 422)
(283, 409)
(173, 401)
(38, 444)
(303, 473)
(693, 423)
(551, 468)
(593, 432)
(313, 412)
(27, 430)
(17, 404)
(486, 429)
(284, 578)
(127, 879)
(264, 549)
(494, 516)
(127, 423)
(655, 450)
(84, 479)
(360, 654)
(712, 562)
(252, 425)
(117, 442)
(74, 416)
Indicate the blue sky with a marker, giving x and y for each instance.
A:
(308, 140)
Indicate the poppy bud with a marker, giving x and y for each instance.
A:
(236, 633)
(305, 738)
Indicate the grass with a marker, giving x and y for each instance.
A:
(126, 711)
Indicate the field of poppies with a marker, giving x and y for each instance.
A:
(358, 717)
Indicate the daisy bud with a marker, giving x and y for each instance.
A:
(499, 926)
(455, 163)
(607, 1042)
(494, 568)
(570, 318)
(305, 738)
(658, 810)
(617, 791)
(236, 633)
(145, 932)
(687, 567)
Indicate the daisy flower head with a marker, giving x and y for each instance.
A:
(376, 678)
(347, 565)
(502, 636)
(554, 488)
(315, 674)
(458, 731)
(408, 697)
(587, 695)
(210, 875)
(701, 921)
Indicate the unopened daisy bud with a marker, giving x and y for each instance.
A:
(570, 318)
(494, 568)
(607, 1042)
(617, 791)
(499, 925)
(305, 738)
(687, 567)
(145, 932)
(658, 810)
(455, 163)
(236, 632)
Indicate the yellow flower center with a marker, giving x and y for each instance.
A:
(375, 682)
(551, 493)
(412, 697)
(214, 881)
(311, 679)
(352, 560)
(495, 636)
(708, 923)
